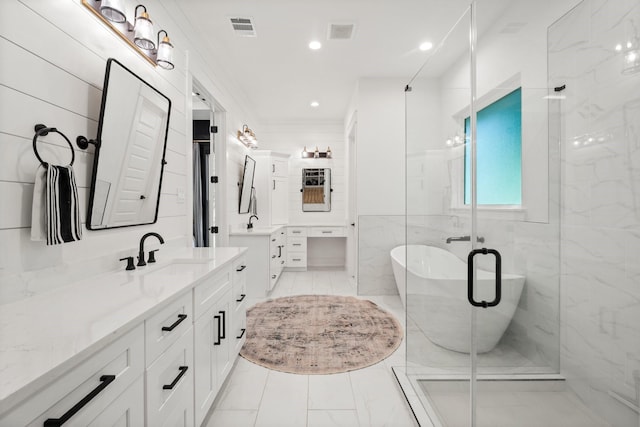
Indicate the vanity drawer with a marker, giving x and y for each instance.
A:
(111, 371)
(297, 244)
(166, 326)
(170, 381)
(327, 232)
(297, 259)
(297, 231)
(206, 293)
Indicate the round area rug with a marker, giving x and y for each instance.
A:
(319, 334)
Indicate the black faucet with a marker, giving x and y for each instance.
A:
(250, 226)
(141, 261)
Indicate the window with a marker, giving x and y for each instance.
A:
(498, 154)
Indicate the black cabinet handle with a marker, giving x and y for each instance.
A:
(181, 317)
(105, 380)
(242, 296)
(224, 327)
(217, 341)
(242, 334)
(279, 251)
(183, 370)
(242, 267)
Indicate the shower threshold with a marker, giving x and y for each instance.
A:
(530, 400)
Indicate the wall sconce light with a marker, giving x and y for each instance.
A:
(139, 35)
(248, 137)
(317, 154)
(630, 50)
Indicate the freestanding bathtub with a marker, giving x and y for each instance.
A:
(435, 297)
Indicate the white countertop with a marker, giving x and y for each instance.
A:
(43, 336)
(256, 231)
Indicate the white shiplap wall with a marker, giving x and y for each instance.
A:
(52, 62)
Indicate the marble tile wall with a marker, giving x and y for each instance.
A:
(377, 235)
(600, 149)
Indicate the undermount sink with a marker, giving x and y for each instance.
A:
(180, 267)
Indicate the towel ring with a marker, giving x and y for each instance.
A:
(42, 130)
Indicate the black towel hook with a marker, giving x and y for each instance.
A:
(42, 130)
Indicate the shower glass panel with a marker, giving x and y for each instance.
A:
(483, 171)
(438, 231)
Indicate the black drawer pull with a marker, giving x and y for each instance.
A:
(223, 335)
(242, 334)
(181, 317)
(297, 259)
(217, 341)
(56, 422)
(242, 296)
(297, 244)
(183, 370)
(242, 267)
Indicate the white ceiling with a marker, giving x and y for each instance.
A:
(280, 75)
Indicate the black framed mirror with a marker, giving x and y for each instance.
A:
(130, 151)
(316, 190)
(246, 185)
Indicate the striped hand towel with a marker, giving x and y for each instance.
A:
(56, 212)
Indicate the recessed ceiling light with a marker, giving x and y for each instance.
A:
(315, 45)
(315, 104)
(426, 46)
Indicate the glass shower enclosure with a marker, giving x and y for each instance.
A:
(486, 137)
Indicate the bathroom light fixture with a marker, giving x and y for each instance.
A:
(315, 45)
(314, 104)
(248, 137)
(164, 57)
(630, 49)
(138, 35)
(316, 154)
(143, 29)
(426, 46)
(113, 10)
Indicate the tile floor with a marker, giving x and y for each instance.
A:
(370, 397)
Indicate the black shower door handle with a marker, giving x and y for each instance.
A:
(498, 297)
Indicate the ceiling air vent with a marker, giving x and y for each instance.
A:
(341, 31)
(243, 27)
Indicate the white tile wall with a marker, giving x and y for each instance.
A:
(600, 216)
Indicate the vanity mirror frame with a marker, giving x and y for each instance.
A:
(314, 179)
(107, 108)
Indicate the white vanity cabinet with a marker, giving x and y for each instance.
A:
(266, 257)
(106, 386)
(135, 359)
(214, 343)
(272, 187)
(298, 242)
(297, 248)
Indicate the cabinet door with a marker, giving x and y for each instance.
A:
(212, 360)
(279, 167)
(279, 201)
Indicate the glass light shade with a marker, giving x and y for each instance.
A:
(164, 57)
(113, 10)
(631, 60)
(144, 34)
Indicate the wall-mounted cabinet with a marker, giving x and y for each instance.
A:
(272, 187)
